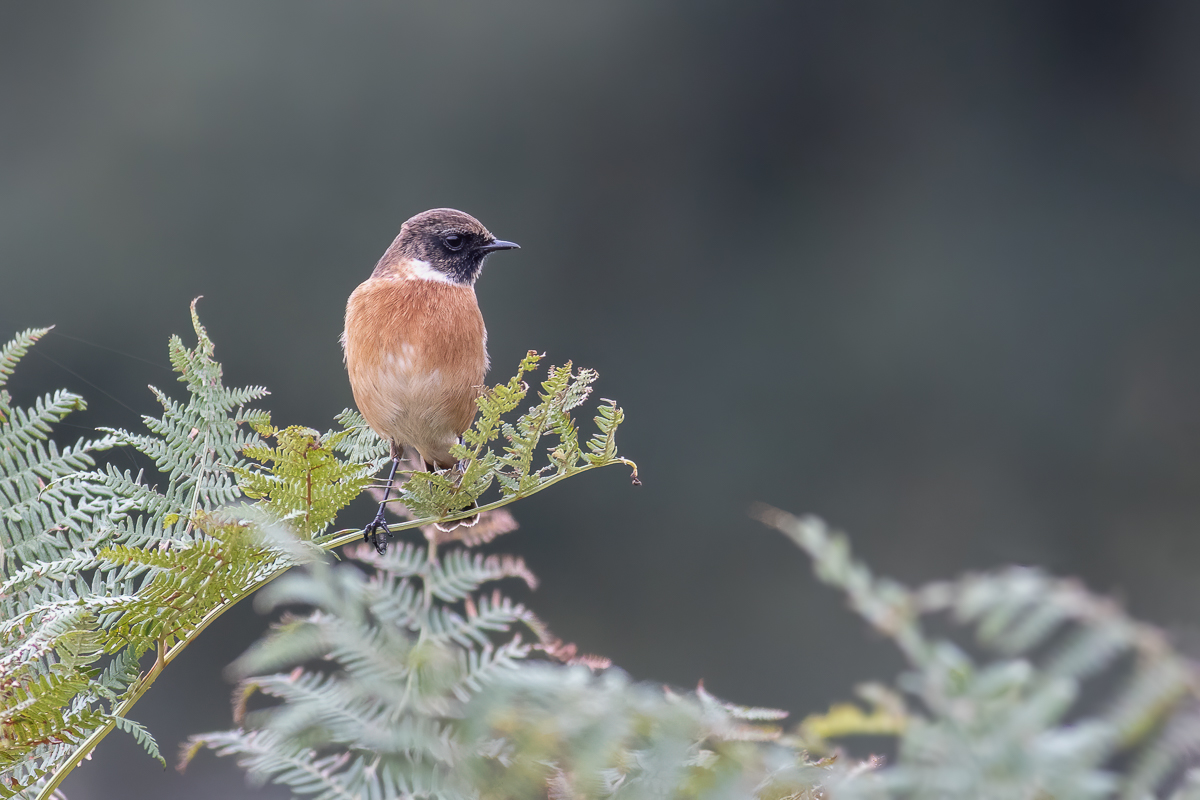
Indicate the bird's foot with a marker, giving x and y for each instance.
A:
(378, 533)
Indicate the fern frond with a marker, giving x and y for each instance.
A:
(1015, 721)
(195, 444)
(402, 663)
(437, 698)
(449, 493)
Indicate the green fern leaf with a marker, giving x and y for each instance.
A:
(304, 482)
(141, 736)
(14, 350)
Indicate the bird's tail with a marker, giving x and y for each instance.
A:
(468, 522)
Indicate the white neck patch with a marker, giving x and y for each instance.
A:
(421, 271)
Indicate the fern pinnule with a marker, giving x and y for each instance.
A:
(119, 674)
(478, 666)
(12, 351)
(359, 443)
(485, 617)
(404, 560)
(140, 735)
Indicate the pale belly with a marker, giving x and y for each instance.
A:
(426, 409)
(422, 410)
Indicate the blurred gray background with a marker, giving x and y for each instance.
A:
(929, 270)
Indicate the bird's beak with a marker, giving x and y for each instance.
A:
(499, 244)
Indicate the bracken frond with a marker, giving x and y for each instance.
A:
(99, 566)
(515, 467)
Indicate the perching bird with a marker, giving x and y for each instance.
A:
(415, 344)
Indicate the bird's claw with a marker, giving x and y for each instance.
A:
(378, 533)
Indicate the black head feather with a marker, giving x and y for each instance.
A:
(451, 242)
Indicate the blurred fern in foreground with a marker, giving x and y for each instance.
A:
(418, 697)
(412, 681)
(1012, 722)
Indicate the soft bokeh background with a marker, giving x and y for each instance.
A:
(928, 269)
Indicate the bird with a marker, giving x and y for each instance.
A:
(415, 345)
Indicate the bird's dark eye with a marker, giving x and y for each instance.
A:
(454, 241)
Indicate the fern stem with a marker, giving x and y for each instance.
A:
(349, 535)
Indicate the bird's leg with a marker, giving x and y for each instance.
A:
(462, 462)
(377, 531)
(462, 469)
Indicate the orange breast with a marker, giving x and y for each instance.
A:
(416, 352)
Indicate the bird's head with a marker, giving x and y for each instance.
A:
(450, 243)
